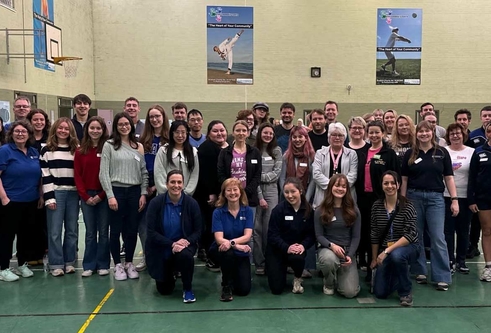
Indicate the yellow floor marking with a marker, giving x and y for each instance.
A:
(96, 310)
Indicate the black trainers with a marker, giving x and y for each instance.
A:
(452, 268)
(472, 252)
(226, 295)
(442, 286)
(462, 268)
(421, 279)
(406, 300)
(202, 255)
(211, 266)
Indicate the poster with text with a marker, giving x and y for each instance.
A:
(399, 32)
(5, 111)
(43, 11)
(229, 45)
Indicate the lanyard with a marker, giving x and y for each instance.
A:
(335, 160)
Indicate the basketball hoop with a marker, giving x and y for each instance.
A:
(69, 63)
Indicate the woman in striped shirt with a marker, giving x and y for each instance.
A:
(60, 196)
(394, 246)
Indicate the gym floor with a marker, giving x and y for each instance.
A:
(100, 304)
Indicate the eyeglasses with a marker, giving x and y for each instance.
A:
(357, 128)
(250, 120)
(22, 106)
(120, 125)
(455, 134)
(20, 132)
(337, 135)
(195, 120)
(180, 132)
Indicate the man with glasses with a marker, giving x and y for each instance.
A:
(318, 135)
(195, 122)
(22, 107)
(132, 108)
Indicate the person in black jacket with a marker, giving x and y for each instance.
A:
(173, 230)
(208, 187)
(290, 234)
(373, 161)
(241, 161)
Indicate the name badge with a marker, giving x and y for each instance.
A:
(98, 155)
(476, 140)
(377, 157)
(33, 157)
(253, 161)
(303, 165)
(268, 158)
(482, 155)
(137, 158)
(334, 218)
(288, 218)
(483, 159)
(418, 160)
(242, 218)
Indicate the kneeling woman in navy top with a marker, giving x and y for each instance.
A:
(232, 226)
(173, 231)
(394, 239)
(291, 232)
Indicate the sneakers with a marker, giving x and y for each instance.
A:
(462, 268)
(326, 289)
(289, 270)
(211, 266)
(395, 73)
(442, 286)
(188, 296)
(306, 274)
(57, 272)
(421, 279)
(486, 274)
(202, 255)
(87, 273)
(406, 300)
(122, 252)
(119, 273)
(383, 67)
(260, 271)
(297, 286)
(226, 295)
(69, 269)
(472, 252)
(25, 271)
(142, 265)
(131, 271)
(103, 272)
(8, 276)
(452, 268)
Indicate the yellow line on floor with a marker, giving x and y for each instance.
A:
(96, 311)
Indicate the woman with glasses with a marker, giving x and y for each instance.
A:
(461, 156)
(357, 133)
(124, 178)
(178, 154)
(20, 173)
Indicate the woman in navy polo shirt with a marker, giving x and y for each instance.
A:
(173, 230)
(20, 176)
(290, 234)
(425, 167)
(233, 221)
(479, 196)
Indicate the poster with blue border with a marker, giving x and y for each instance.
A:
(43, 11)
(399, 33)
(230, 45)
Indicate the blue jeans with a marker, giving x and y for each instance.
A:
(393, 274)
(459, 224)
(63, 253)
(430, 209)
(125, 220)
(96, 254)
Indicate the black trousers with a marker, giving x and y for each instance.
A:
(365, 203)
(17, 218)
(38, 247)
(182, 262)
(475, 232)
(276, 265)
(207, 236)
(236, 272)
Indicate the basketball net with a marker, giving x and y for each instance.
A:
(71, 67)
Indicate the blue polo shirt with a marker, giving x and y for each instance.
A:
(233, 227)
(171, 219)
(21, 173)
(428, 170)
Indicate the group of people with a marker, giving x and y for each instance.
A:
(281, 196)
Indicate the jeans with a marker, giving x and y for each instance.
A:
(430, 209)
(63, 253)
(124, 221)
(96, 221)
(459, 224)
(393, 274)
(347, 277)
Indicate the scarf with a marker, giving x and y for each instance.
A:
(301, 172)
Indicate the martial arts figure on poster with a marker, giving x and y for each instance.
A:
(224, 50)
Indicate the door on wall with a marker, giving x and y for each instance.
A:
(65, 107)
(107, 115)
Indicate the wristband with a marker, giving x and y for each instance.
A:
(454, 198)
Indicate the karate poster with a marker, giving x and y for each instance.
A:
(229, 45)
(43, 11)
(399, 34)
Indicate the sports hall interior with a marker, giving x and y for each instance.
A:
(156, 51)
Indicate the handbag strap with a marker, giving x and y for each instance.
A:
(387, 227)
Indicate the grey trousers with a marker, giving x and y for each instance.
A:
(348, 282)
(261, 224)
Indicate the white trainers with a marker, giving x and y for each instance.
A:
(325, 289)
(87, 273)
(142, 265)
(25, 271)
(8, 276)
(69, 269)
(297, 286)
(119, 273)
(103, 272)
(486, 275)
(131, 271)
(57, 272)
(395, 73)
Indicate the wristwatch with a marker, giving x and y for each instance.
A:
(232, 243)
(385, 251)
(454, 199)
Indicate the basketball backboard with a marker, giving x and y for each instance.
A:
(53, 43)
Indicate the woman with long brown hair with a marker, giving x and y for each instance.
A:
(337, 224)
